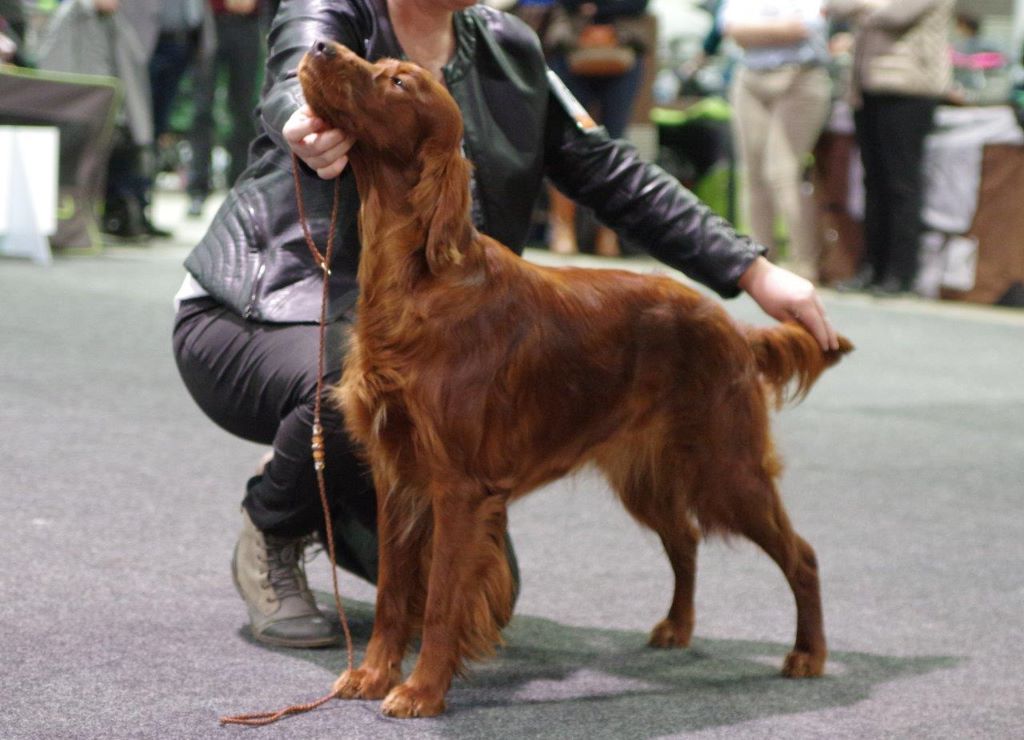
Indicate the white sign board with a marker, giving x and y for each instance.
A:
(29, 157)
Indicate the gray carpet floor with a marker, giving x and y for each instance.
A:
(119, 510)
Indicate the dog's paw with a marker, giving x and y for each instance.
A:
(667, 634)
(803, 665)
(407, 701)
(364, 683)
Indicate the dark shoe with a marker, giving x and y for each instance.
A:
(154, 231)
(269, 575)
(123, 219)
(891, 287)
(863, 281)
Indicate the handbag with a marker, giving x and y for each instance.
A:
(599, 52)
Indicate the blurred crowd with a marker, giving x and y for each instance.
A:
(175, 61)
(782, 70)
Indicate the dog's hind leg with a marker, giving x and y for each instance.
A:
(654, 494)
(469, 595)
(748, 503)
(774, 534)
(680, 539)
(676, 629)
(404, 527)
(735, 492)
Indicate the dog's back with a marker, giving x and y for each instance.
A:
(546, 366)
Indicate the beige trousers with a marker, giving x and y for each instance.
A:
(777, 118)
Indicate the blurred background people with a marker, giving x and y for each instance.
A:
(179, 45)
(967, 37)
(238, 59)
(115, 39)
(177, 49)
(981, 72)
(780, 97)
(901, 70)
(597, 49)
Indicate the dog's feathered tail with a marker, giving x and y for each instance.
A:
(790, 359)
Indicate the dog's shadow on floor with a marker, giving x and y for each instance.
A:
(605, 683)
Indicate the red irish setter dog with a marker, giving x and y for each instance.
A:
(474, 377)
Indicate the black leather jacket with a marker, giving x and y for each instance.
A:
(254, 258)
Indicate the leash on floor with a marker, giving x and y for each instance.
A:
(257, 719)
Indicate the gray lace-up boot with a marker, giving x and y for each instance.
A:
(270, 577)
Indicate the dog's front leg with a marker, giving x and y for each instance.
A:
(469, 596)
(403, 530)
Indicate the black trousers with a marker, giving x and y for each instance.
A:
(173, 55)
(891, 131)
(258, 381)
(239, 57)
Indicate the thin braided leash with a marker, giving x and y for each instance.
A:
(257, 719)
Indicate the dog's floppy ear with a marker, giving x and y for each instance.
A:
(443, 195)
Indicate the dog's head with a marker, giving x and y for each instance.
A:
(403, 121)
(395, 110)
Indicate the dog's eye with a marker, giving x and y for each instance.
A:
(397, 82)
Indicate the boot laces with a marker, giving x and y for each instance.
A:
(286, 575)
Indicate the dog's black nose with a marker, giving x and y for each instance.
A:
(323, 48)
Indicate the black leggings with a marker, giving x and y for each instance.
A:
(258, 381)
(891, 132)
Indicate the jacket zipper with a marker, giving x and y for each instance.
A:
(250, 309)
